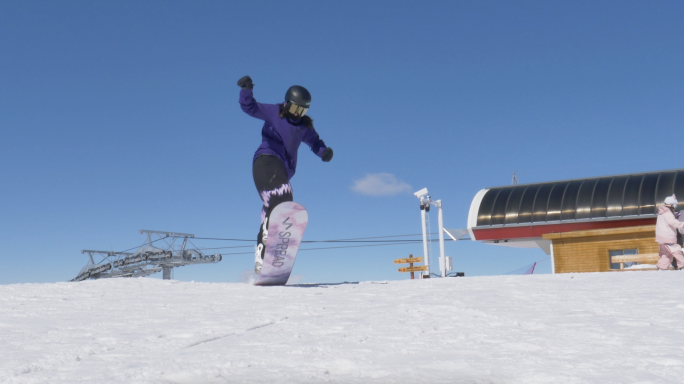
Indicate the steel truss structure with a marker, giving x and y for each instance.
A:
(148, 259)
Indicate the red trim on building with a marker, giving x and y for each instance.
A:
(501, 233)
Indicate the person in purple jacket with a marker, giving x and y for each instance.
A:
(286, 126)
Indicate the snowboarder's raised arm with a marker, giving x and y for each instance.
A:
(317, 145)
(250, 106)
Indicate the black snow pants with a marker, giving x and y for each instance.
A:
(273, 185)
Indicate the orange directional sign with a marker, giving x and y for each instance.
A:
(411, 260)
(411, 268)
(414, 269)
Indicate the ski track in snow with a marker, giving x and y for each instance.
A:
(569, 328)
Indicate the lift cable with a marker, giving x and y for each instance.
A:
(328, 241)
(346, 246)
(350, 240)
(130, 249)
(355, 239)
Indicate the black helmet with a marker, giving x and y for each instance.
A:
(299, 95)
(298, 100)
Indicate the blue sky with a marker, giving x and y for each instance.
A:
(120, 116)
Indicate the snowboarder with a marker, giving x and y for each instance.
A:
(666, 234)
(286, 126)
(680, 239)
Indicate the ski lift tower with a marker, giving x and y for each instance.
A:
(425, 202)
(147, 260)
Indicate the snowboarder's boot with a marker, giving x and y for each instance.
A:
(258, 258)
(260, 248)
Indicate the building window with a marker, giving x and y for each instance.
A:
(622, 252)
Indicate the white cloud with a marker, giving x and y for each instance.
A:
(380, 184)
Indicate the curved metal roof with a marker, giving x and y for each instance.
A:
(601, 198)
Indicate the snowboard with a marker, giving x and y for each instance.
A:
(286, 227)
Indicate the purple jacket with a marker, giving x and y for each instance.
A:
(279, 136)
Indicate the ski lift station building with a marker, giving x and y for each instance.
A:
(580, 223)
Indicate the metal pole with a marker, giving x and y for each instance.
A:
(166, 272)
(440, 224)
(426, 257)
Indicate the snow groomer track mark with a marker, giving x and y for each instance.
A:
(234, 333)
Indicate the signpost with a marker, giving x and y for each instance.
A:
(411, 268)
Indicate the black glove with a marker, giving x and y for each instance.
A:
(327, 154)
(245, 83)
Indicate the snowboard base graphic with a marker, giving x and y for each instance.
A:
(286, 227)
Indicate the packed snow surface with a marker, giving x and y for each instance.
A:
(572, 328)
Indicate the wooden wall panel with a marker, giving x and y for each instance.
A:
(577, 253)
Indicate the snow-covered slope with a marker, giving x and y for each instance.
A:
(571, 328)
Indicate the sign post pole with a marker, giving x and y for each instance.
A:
(411, 265)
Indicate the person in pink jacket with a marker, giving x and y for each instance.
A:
(666, 234)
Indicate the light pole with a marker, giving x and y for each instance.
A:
(425, 202)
